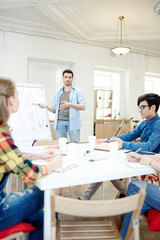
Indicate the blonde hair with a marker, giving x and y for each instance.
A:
(7, 89)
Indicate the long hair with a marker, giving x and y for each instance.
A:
(7, 89)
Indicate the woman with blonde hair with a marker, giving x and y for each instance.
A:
(25, 205)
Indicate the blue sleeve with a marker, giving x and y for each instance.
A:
(130, 136)
(54, 104)
(81, 99)
(150, 145)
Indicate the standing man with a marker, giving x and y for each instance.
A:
(67, 102)
(149, 132)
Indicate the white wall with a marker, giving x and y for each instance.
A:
(16, 49)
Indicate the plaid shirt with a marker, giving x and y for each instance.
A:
(12, 160)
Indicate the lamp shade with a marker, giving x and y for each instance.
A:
(120, 50)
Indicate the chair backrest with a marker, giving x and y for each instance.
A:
(101, 208)
(44, 143)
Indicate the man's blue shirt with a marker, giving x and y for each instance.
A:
(148, 131)
(76, 97)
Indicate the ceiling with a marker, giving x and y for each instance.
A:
(87, 21)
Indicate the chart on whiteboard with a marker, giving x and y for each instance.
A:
(30, 121)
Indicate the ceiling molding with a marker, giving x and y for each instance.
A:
(63, 18)
(138, 35)
(15, 25)
(10, 4)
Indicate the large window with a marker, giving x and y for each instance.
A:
(152, 84)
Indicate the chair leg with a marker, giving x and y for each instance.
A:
(25, 236)
(18, 238)
(70, 191)
(58, 232)
(136, 232)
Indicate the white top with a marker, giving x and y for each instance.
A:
(84, 171)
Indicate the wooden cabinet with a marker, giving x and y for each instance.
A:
(112, 127)
(103, 104)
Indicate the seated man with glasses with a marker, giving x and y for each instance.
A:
(149, 132)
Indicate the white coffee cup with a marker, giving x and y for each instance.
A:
(62, 144)
(92, 142)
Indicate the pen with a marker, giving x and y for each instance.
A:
(138, 150)
(135, 151)
(93, 160)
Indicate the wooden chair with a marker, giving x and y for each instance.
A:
(97, 229)
(17, 236)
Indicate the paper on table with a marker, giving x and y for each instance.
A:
(134, 164)
(67, 165)
(95, 156)
(102, 147)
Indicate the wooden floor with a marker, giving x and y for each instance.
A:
(110, 193)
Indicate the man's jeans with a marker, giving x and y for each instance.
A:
(24, 206)
(63, 128)
(152, 200)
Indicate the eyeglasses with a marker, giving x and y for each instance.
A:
(142, 107)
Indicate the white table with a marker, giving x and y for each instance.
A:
(86, 172)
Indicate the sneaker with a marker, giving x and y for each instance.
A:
(121, 195)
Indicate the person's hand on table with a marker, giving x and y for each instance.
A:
(47, 154)
(55, 163)
(118, 140)
(135, 157)
(101, 140)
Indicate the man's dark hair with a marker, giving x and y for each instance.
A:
(151, 99)
(67, 71)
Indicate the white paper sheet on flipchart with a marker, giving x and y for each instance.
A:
(67, 165)
(30, 122)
